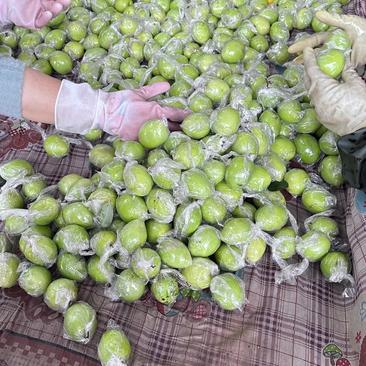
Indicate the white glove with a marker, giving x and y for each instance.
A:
(79, 108)
(354, 26)
(340, 106)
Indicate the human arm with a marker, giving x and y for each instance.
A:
(77, 108)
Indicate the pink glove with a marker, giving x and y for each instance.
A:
(30, 13)
(79, 108)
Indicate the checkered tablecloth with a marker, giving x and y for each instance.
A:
(282, 325)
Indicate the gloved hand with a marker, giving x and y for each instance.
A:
(354, 26)
(79, 108)
(340, 106)
(30, 13)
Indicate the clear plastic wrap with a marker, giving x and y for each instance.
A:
(133, 235)
(200, 273)
(204, 242)
(126, 286)
(38, 249)
(101, 154)
(194, 184)
(130, 207)
(246, 144)
(128, 150)
(255, 249)
(166, 173)
(103, 243)
(331, 61)
(316, 198)
(230, 257)
(5, 244)
(66, 182)
(44, 210)
(284, 243)
(263, 134)
(296, 181)
(100, 270)
(154, 133)
(323, 223)
(274, 165)
(225, 121)
(328, 143)
(174, 139)
(289, 272)
(114, 348)
(80, 190)
(137, 179)
(146, 263)
(165, 288)
(259, 180)
(73, 239)
(213, 210)
(196, 125)
(232, 197)
(214, 88)
(161, 205)
(77, 213)
(101, 204)
(15, 169)
(72, 266)
(80, 322)
(60, 294)
(313, 246)
(215, 145)
(335, 267)
(112, 174)
(187, 219)
(16, 221)
(33, 186)
(56, 146)
(330, 169)
(190, 154)
(9, 263)
(237, 231)
(34, 280)
(228, 291)
(238, 171)
(174, 253)
(10, 199)
(271, 217)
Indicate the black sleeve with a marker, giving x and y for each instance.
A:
(352, 150)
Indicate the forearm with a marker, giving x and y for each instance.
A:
(27, 93)
(39, 96)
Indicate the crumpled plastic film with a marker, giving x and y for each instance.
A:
(289, 273)
(73, 239)
(161, 205)
(228, 291)
(60, 294)
(87, 315)
(16, 221)
(166, 173)
(317, 199)
(121, 354)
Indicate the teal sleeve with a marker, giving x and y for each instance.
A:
(11, 86)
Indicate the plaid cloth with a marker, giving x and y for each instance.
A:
(281, 325)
